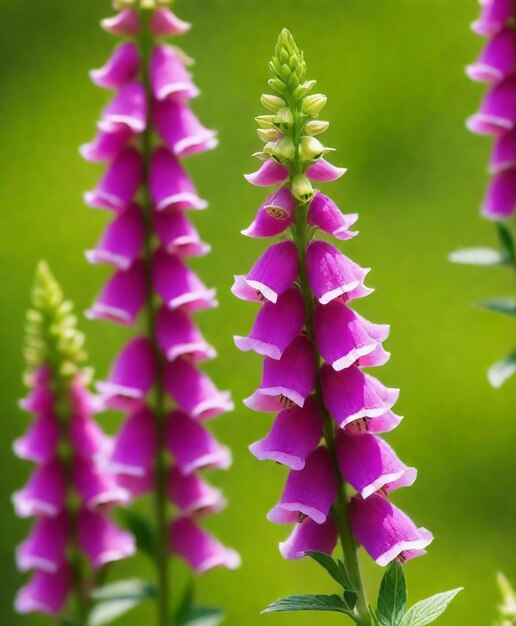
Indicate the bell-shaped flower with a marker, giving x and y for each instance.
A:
(122, 241)
(385, 532)
(122, 298)
(178, 336)
(122, 67)
(274, 216)
(494, 16)
(180, 129)
(106, 146)
(326, 215)
(286, 381)
(137, 486)
(165, 24)
(379, 356)
(198, 548)
(39, 443)
(128, 108)
(497, 60)
(270, 173)
(192, 495)
(119, 184)
(369, 464)
(193, 447)
(276, 326)
(168, 75)
(194, 391)
(294, 435)
(351, 395)
(178, 235)
(125, 22)
(96, 487)
(178, 285)
(383, 424)
(503, 156)
(309, 492)
(330, 273)
(44, 493)
(497, 113)
(324, 172)
(272, 274)
(500, 200)
(87, 438)
(131, 376)
(310, 537)
(101, 540)
(40, 400)
(136, 444)
(170, 186)
(45, 593)
(341, 336)
(45, 547)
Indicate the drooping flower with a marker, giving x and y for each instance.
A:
(68, 493)
(315, 347)
(144, 133)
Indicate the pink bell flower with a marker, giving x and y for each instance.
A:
(503, 156)
(500, 200)
(270, 173)
(169, 77)
(325, 215)
(45, 547)
(39, 443)
(44, 493)
(101, 540)
(498, 59)
(495, 15)
(192, 495)
(178, 336)
(497, 113)
(128, 108)
(178, 235)
(310, 537)
(106, 146)
(96, 487)
(126, 22)
(121, 68)
(325, 172)
(274, 216)
(164, 23)
(136, 445)
(45, 593)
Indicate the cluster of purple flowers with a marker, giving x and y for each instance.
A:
(497, 115)
(143, 134)
(315, 346)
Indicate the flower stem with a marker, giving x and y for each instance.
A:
(159, 405)
(340, 508)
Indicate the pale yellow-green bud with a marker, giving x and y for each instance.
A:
(268, 134)
(284, 119)
(273, 103)
(283, 150)
(310, 149)
(316, 127)
(302, 188)
(265, 121)
(119, 5)
(262, 156)
(313, 105)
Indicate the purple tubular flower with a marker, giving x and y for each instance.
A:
(385, 532)
(325, 215)
(44, 493)
(274, 216)
(325, 172)
(144, 132)
(96, 487)
(276, 326)
(198, 548)
(309, 492)
(45, 593)
(294, 435)
(270, 173)
(273, 273)
(101, 540)
(286, 381)
(308, 536)
(45, 548)
(497, 114)
(39, 443)
(121, 68)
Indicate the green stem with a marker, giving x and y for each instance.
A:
(340, 507)
(159, 404)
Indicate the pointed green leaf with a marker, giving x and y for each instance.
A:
(336, 569)
(204, 616)
(507, 306)
(132, 588)
(392, 597)
(110, 610)
(143, 531)
(502, 371)
(350, 598)
(310, 602)
(507, 242)
(429, 610)
(478, 256)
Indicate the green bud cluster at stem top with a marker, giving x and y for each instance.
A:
(290, 132)
(52, 338)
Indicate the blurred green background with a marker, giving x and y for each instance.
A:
(398, 97)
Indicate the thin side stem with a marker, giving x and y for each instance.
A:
(159, 404)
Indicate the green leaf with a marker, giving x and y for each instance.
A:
(392, 597)
(204, 616)
(336, 569)
(109, 611)
(143, 531)
(310, 602)
(507, 242)
(429, 610)
(507, 306)
(478, 256)
(502, 371)
(116, 599)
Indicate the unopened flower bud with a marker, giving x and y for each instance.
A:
(148, 4)
(310, 149)
(273, 103)
(265, 121)
(313, 105)
(316, 127)
(119, 5)
(302, 188)
(268, 134)
(283, 150)
(284, 119)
